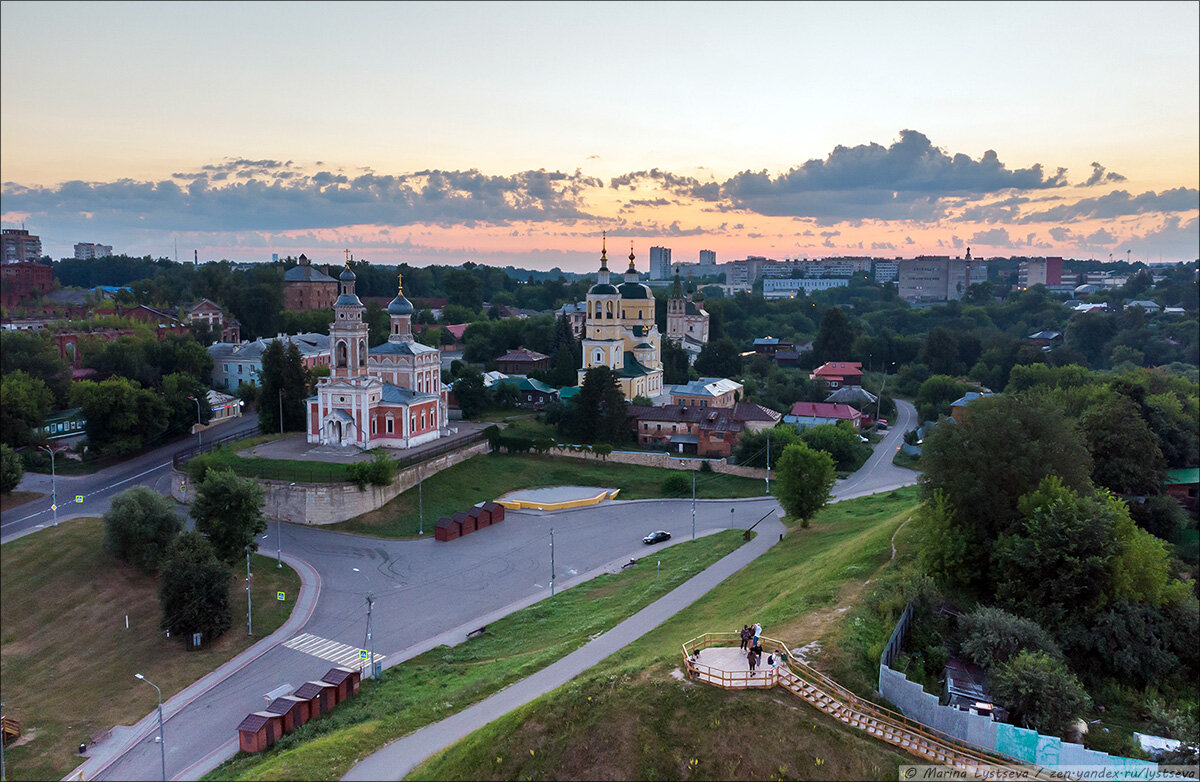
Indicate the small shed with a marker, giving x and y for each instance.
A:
(466, 520)
(446, 529)
(483, 518)
(320, 697)
(293, 711)
(259, 731)
(496, 510)
(345, 680)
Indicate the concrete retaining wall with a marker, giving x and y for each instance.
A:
(667, 461)
(329, 503)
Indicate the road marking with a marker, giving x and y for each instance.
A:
(108, 487)
(338, 653)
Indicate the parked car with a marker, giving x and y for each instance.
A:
(881, 426)
(656, 537)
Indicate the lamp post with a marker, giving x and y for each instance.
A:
(768, 462)
(249, 612)
(370, 635)
(279, 537)
(693, 504)
(420, 502)
(162, 742)
(53, 484)
(199, 437)
(281, 411)
(552, 562)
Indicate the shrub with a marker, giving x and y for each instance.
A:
(194, 588)
(676, 485)
(139, 527)
(1039, 692)
(10, 469)
(991, 636)
(380, 471)
(543, 444)
(705, 466)
(602, 450)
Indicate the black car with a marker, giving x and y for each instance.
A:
(656, 537)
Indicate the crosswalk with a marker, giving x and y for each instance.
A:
(338, 653)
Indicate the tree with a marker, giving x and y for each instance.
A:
(992, 636)
(470, 392)
(1125, 453)
(838, 440)
(284, 379)
(139, 527)
(1003, 449)
(804, 479)
(835, 336)
(463, 288)
(10, 469)
(598, 414)
(1039, 692)
(935, 395)
(26, 402)
(752, 447)
(719, 359)
(179, 392)
(193, 589)
(36, 355)
(228, 511)
(122, 417)
(675, 363)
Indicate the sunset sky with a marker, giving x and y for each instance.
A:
(512, 133)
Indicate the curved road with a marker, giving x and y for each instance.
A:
(425, 593)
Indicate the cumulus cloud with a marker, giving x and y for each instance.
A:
(993, 237)
(1119, 203)
(263, 201)
(681, 185)
(1100, 176)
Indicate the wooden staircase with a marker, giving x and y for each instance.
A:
(10, 729)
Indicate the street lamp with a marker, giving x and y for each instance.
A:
(370, 635)
(249, 612)
(552, 562)
(199, 437)
(53, 484)
(162, 742)
(281, 411)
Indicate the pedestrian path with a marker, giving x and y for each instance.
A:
(397, 759)
(338, 653)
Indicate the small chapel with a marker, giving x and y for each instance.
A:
(390, 395)
(620, 332)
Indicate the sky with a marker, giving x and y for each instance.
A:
(515, 133)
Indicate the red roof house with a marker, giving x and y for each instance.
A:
(835, 374)
(805, 414)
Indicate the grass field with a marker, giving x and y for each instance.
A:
(67, 659)
(18, 498)
(271, 469)
(629, 718)
(448, 679)
(489, 476)
(907, 461)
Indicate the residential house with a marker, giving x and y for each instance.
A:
(522, 361)
(835, 374)
(1045, 339)
(532, 394)
(210, 313)
(707, 392)
(307, 288)
(958, 408)
(1183, 485)
(703, 431)
(576, 314)
(1151, 307)
(768, 346)
(806, 414)
(237, 363)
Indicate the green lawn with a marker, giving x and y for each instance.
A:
(448, 679)
(271, 469)
(907, 461)
(489, 476)
(67, 658)
(629, 718)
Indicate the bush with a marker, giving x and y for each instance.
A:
(492, 433)
(139, 527)
(705, 466)
(10, 469)
(991, 636)
(1039, 692)
(676, 485)
(602, 450)
(543, 444)
(838, 440)
(380, 471)
(516, 444)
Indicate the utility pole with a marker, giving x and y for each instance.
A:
(162, 742)
(552, 562)
(420, 502)
(249, 621)
(199, 436)
(370, 635)
(281, 411)
(53, 484)
(768, 462)
(3, 774)
(693, 504)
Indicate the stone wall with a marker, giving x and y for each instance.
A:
(329, 503)
(667, 461)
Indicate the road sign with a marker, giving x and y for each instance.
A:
(79, 498)
(362, 654)
(280, 596)
(53, 507)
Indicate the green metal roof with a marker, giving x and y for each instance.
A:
(1186, 475)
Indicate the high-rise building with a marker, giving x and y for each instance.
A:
(939, 277)
(87, 251)
(1039, 271)
(708, 258)
(20, 246)
(660, 263)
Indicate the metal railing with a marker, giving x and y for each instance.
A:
(187, 454)
(832, 698)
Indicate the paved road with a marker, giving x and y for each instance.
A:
(424, 590)
(150, 469)
(879, 474)
(426, 593)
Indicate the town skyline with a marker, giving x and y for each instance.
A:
(454, 132)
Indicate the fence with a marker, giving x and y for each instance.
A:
(182, 457)
(1025, 745)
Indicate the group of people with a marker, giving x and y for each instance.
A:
(752, 644)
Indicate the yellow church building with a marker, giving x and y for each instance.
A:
(620, 333)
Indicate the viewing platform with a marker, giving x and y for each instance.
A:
(556, 497)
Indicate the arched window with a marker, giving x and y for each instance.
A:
(362, 352)
(342, 355)
(599, 356)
